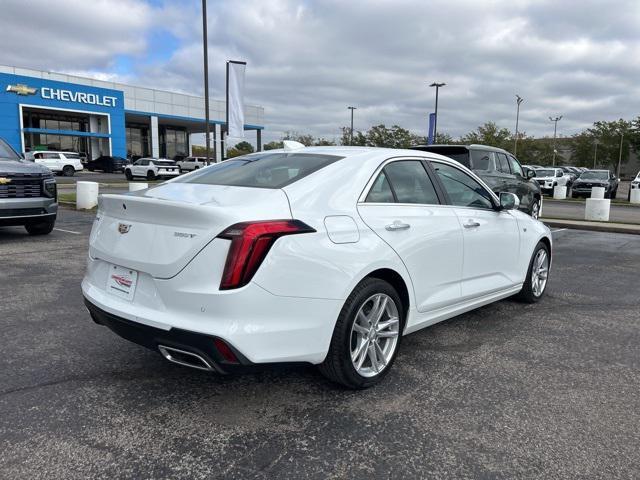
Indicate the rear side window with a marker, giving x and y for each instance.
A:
(482, 160)
(405, 181)
(380, 191)
(410, 182)
(271, 170)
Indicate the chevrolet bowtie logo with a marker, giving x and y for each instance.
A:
(4, 181)
(21, 89)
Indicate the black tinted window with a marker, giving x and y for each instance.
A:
(463, 190)
(482, 160)
(503, 163)
(515, 166)
(410, 182)
(380, 191)
(270, 170)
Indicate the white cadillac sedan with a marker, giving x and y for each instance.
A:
(321, 255)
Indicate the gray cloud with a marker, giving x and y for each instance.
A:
(308, 60)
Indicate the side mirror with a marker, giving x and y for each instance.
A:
(509, 201)
(531, 174)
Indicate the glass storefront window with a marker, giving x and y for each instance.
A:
(174, 143)
(137, 141)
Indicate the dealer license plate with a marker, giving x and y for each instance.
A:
(122, 282)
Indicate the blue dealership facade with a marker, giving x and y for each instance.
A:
(51, 111)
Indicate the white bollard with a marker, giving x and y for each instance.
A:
(635, 195)
(86, 195)
(133, 186)
(559, 192)
(597, 192)
(597, 209)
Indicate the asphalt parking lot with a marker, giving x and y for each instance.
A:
(507, 391)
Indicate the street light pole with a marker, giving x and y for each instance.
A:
(555, 129)
(435, 121)
(519, 100)
(206, 79)
(351, 131)
(620, 154)
(595, 154)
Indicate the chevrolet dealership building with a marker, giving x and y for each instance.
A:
(52, 111)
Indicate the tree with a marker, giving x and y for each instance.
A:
(238, 149)
(273, 145)
(608, 136)
(382, 136)
(489, 134)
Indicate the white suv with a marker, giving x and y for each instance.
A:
(152, 168)
(635, 184)
(65, 163)
(192, 163)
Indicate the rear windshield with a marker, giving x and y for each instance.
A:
(270, 170)
(545, 173)
(459, 154)
(164, 163)
(73, 156)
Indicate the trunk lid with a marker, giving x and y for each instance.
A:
(160, 230)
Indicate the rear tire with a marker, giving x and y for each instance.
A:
(380, 340)
(534, 211)
(128, 175)
(535, 284)
(40, 228)
(68, 171)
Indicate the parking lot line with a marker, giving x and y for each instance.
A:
(67, 231)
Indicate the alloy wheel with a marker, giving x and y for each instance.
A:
(535, 209)
(374, 335)
(539, 272)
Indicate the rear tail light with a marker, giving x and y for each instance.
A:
(250, 243)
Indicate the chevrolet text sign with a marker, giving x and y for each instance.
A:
(78, 97)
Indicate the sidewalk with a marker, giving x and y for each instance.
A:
(612, 227)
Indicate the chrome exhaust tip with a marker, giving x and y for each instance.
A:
(184, 358)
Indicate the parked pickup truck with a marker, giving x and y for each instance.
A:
(28, 193)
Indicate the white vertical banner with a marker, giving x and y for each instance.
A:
(235, 98)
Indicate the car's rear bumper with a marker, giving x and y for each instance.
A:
(261, 326)
(182, 340)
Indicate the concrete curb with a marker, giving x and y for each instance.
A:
(610, 227)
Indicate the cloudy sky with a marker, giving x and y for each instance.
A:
(308, 60)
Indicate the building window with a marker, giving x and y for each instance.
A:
(174, 143)
(137, 141)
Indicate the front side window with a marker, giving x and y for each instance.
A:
(265, 170)
(51, 156)
(463, 191)
(503, 163)
(515, 166)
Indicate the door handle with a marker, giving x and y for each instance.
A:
(471, 224)
(397, 226)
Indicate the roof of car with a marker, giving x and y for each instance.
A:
(474, 146)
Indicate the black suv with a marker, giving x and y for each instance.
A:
(498, 168)
(28, 193)
(107, 164)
